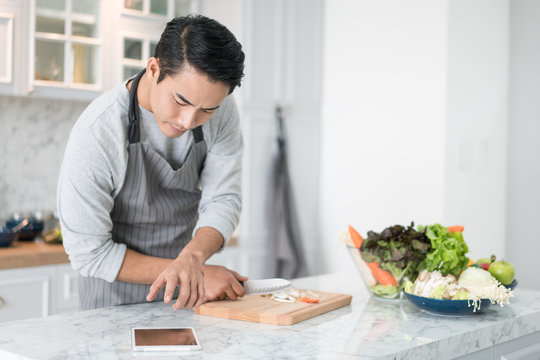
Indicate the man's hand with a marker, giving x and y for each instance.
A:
(185, 272)
(221, 283)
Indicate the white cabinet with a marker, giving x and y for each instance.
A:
(139, 28)
(78, 49)
(65, 46)
(37, 291)
(283, 44)
(523, 348)
(13, 35)
(6, 42)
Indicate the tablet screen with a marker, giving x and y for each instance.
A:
(160, 337)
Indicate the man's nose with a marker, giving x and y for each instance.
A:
(187, 118)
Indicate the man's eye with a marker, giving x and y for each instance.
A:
(179, 103)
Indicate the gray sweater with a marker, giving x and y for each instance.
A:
(94, 167)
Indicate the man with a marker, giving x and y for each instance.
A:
(149, 186)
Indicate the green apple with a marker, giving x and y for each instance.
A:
(486, 260)
(502, 271)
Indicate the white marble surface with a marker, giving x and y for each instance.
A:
(33, 135)
(368, 328)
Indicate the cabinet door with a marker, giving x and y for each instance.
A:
(25, 293)
(141, 25)
(66, 45)
(159, 8)
(6, 42)
(13, 35)
(66, 294)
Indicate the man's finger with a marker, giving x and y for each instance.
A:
(238, 276)
(183, 295)
(172, 282)
(154, 289)
(202, 295)
(238, 289)
(192, 295)
(231, 294)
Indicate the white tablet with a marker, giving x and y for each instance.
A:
(164, 339)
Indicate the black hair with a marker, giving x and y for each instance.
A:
(204, 44)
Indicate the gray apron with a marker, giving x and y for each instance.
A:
(154, 213)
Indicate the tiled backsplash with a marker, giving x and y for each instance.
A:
(33, 135)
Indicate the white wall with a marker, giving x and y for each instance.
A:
(476, 128)
(282, 42)
(523, 206)
(383, 119)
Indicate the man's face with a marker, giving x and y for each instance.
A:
(184, 101)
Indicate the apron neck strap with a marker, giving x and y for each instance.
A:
(134, 132)
(198, 134)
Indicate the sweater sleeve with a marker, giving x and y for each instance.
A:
(91, 172)
(221, 176)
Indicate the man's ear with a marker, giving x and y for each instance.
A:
(152, 68)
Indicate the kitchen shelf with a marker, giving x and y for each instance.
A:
(31, 253)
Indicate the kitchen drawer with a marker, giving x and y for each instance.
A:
(66, 295)
(25, 293)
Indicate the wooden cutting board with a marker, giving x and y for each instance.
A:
(263, 309)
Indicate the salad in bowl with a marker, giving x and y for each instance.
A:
(399, 253)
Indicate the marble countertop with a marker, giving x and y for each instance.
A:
(368, 328)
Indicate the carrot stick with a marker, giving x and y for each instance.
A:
(456, 228)
(382, 276)
(309, 301)
(356, 237)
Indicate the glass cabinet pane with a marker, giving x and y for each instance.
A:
(133, 49)
(49, 60)
(133, 4)
(130, 72)
(84, 18)
(182, 7)
(59, 5)
(88, 7)
(84, 62)
(50, 16)
(6, 39)
(152, 48)
(158, 7)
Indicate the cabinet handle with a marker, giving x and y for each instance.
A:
(2, 302)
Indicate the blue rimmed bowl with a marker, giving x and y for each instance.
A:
(512, 285)
(447, 307)
(33, 228)
(7, 237)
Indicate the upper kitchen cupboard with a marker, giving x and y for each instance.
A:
(77, 49)
(11, 42)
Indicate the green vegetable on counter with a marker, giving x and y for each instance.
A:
(439, 291)
(398, 250)
(447, 252)
(408, 286)
(385, 290)
(461, 295)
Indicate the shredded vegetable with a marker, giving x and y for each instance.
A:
(291, 295)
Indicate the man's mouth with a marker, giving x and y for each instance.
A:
(176, 130)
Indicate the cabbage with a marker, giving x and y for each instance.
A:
(439, 291)
(461, 295)
(474, 275)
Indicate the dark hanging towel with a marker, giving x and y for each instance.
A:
(287, 254)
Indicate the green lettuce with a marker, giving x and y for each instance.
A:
(447, 253)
